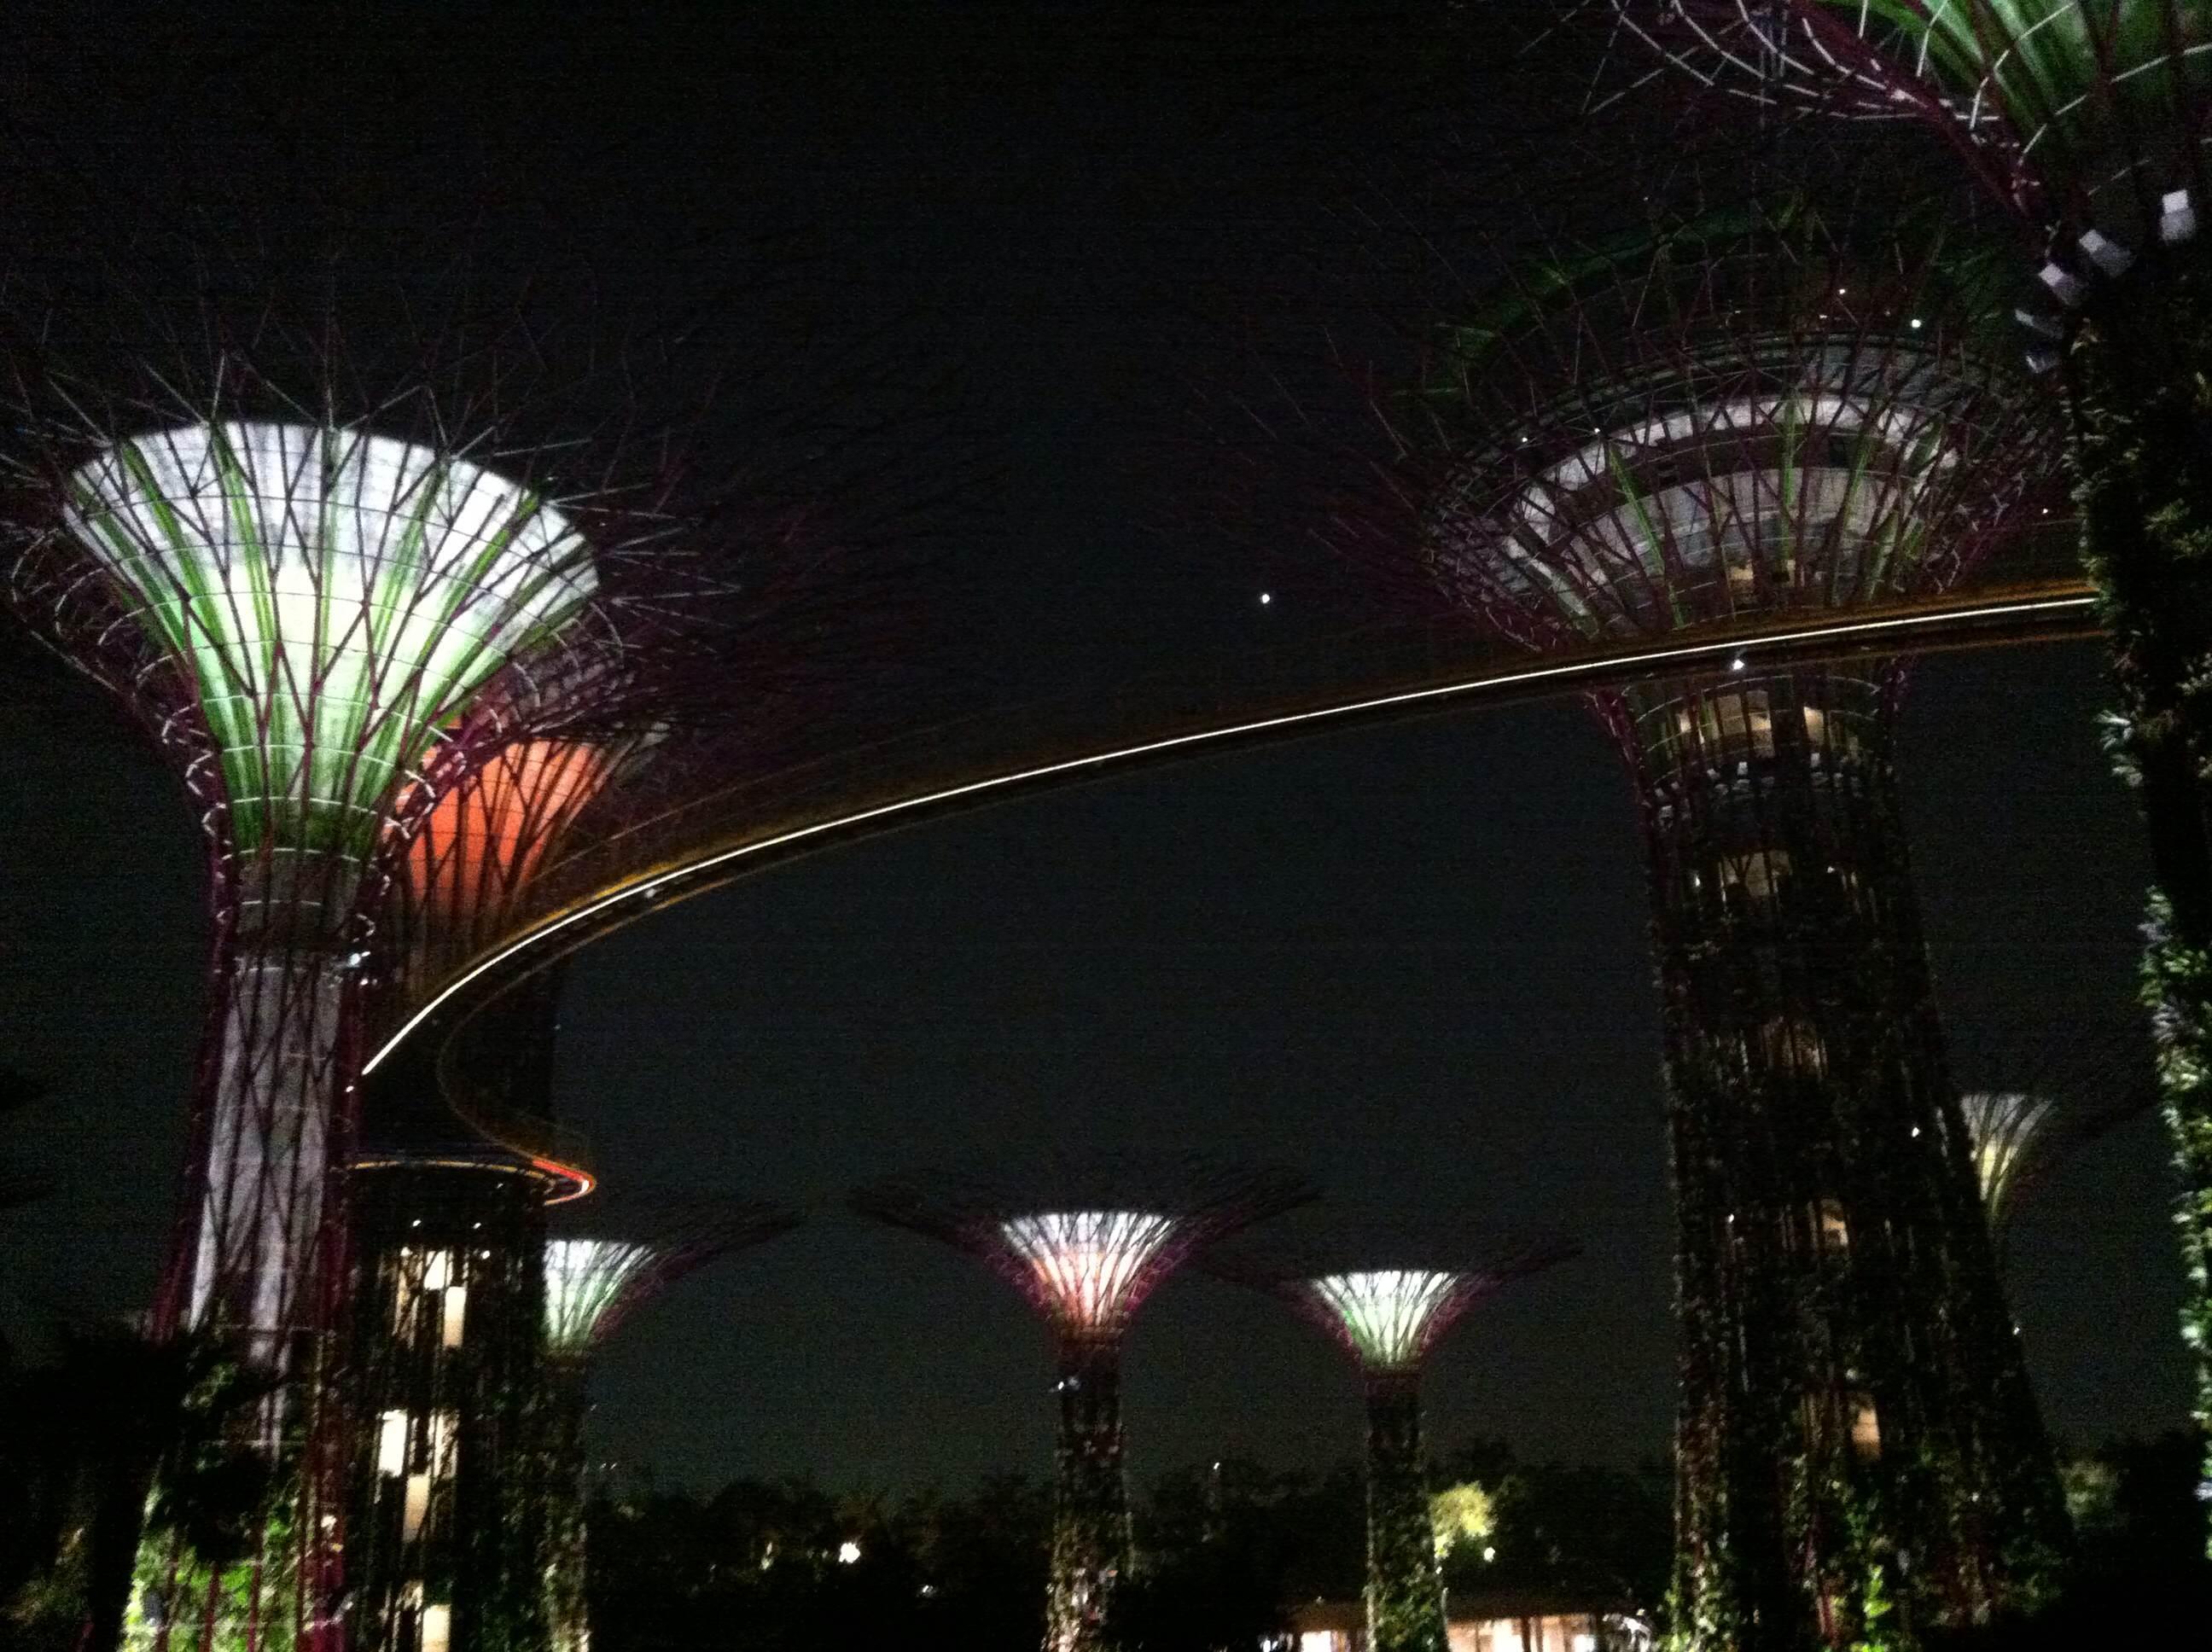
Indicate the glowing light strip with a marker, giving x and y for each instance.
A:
(1567, 673)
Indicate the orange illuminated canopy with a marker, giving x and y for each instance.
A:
(485, 838)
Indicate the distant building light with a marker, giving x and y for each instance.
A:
(847, 1553)
(1266, 597)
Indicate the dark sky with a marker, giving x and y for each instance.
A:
(1410, 960)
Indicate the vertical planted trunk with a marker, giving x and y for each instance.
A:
(2142, 391)
(1091, 1537)
(1861, 1459)
(567, 1610)
(1405, 1590)
(258, 1264)
(444, 1542)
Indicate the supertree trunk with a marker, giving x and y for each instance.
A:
(2141, 397)
(258, 1261)
(1861, 1459)
(1090, 1535)
(1404, 1591)
(447, 1536)
(567, 1609)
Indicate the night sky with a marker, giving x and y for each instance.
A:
(1409, 959)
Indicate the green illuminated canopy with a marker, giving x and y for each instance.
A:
(586, 1280)
(1388, 1317)
(334, 597)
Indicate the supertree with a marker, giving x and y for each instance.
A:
(326, 613)
(1388, 1309)
(1734, 415)
(591, 1286)
(2087, 119)
(1085, 1247)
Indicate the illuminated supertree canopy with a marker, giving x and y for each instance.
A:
(1751, 412)
(2029, 1104)
(1728, 416)
(336, 597)
(1085, 1246)
(593, 1284)
(2008, 1130)
(1090, 1269)
(589, 1285)
(1389, 1318)
(2088, 119)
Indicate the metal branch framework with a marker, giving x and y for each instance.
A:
(2082, 114)
(1085, 1248)
(1745, 414)
(1388, 1318)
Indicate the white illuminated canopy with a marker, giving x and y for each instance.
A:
(2004, 1128)
(335, 597)
(584, 1277)
(1387, 1316)
(1089, 1265)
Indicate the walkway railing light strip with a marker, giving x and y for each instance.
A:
(1564, 673)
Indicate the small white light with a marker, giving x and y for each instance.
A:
(1916, 1132)
(1840, 291)
(2063, 284)
(2107, 254)
(2177, 218)
(1266, 597)
(847, 1553)
(1736, 664)
(1490, 1554)
(1914, 323)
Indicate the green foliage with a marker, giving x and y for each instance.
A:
(120, 1438)
(2142, 380)
(1578, 1529)
(1462, 1516)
